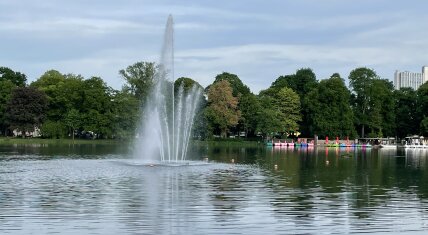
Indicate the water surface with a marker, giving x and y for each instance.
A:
(91, 189)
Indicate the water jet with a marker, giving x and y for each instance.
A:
(166, 126)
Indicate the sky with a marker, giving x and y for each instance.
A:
(257, 40)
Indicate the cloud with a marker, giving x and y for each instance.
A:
(80, 26)
(258, 41)
(262, 63)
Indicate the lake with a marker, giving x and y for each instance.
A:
(223, 189)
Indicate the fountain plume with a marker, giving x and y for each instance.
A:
(165, 130)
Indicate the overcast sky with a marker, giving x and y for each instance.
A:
(257, 40)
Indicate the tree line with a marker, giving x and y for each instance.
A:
(69, 106)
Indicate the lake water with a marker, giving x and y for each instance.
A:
(99, 189)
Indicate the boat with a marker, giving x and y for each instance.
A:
(416, 142)
(388, 143)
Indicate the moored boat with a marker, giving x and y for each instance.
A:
(416, 142)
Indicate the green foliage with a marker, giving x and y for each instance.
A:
(26, 109)
(238, 87)
(96, 108)
(9, 79)
(222, 110)
(125, 108)
(52, 129)
(269, 121)
(302, 82)
(422, 103)
(383, 104)
(239, 90)
(139, 79)
(424, 126)
(280, 112)
(66, 104)
(17, 78)
(72, 121)
(50, 83)
(405, 112)
(65, 94)
(329, 108)
(187, 83)
(250, 108)
(372, 103)
(6, 88)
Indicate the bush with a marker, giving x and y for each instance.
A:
(51, 129)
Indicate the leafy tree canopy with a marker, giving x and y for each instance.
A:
(26, 109)
(237, 86)
(405, 112)
(282, 111)
(139, 78)
(187, 83)
(17, 78)
(329, 108)
(222, 108)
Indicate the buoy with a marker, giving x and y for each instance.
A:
(275, 166)
(327, 162)
(233, 160)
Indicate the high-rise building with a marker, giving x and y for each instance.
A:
(425, 74)
(409, 79)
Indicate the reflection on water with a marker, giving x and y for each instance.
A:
(265, 190)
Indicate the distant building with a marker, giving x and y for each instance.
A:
(409, 79)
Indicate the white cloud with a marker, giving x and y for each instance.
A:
(257, 41)
(267, 62)
(77, 25)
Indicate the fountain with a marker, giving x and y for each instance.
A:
(166, 125)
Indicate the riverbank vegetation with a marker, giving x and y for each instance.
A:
(60, 106)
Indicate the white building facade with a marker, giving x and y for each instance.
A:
(409, 79)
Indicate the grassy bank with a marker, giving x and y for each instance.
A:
(5, 140)
(229, 142)
(216, 142)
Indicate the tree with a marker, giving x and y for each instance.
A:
(139, 79)
(17, 78)
(50, 83)
(9, 79)
(238, 87)
(65, 93)
(422, 107)
(329, 108)
(424, 126)
(405, 109)
(382, 107)
(97, 107)
(269, 119)
(6, 88)
(222, 110)
(360, 82)
(187, 83)
(372, 102)
(52, 129)
(280, 112)
(72, 121)
(302, 82)
(26, 109)
(250, 108)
